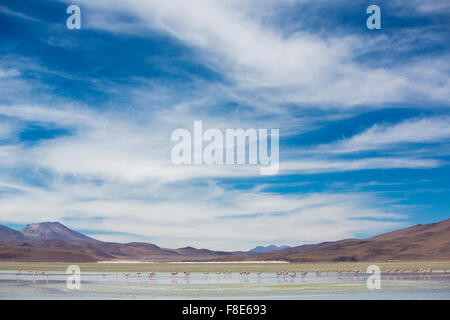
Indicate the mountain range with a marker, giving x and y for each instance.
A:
(54, 242)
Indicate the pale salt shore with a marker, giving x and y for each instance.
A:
(124, 262)
(192, 262)
(228, 262)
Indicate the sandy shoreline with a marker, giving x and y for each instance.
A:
(192, 262)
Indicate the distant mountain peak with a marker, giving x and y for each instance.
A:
(53, 231)
(269, 248)
(8, 234)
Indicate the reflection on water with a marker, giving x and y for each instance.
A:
(223, 285)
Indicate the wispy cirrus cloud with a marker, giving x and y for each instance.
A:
(384, 137)
(7, 11)
(112, 146)
(317, 165)
(302, 67)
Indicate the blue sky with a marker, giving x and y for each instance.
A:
(86, 117)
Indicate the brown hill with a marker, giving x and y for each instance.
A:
(31, 250)
(420, 242)
(25, 253)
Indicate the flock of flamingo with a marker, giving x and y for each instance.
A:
(283, 274)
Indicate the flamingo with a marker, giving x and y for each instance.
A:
(34, 275)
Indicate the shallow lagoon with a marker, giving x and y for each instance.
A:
(163, 285)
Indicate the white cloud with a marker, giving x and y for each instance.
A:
(16, 14)
(6, 73)
(425, 6)
(111, 146)
(301, 67)
(417, 130)
(6, 130)
(321, 166)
